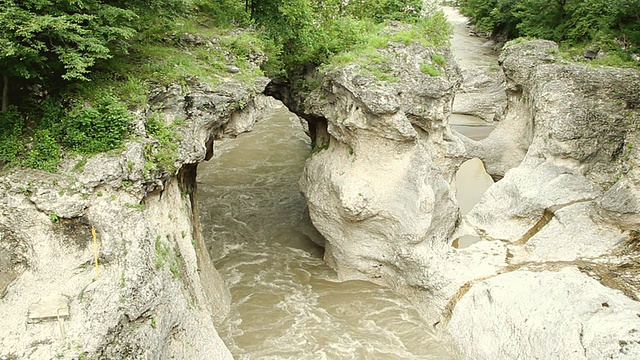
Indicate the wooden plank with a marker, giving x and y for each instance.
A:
(50, 308)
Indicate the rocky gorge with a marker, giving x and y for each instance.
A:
(554, 274)
(152, 291)
(560, 223)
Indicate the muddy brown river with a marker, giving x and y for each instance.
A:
(286, 302)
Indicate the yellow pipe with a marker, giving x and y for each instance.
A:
(95, 250)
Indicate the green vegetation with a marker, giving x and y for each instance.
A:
(73, 71)
(429, 69)
(165, 256)
(53, 217)
(139, 207)
(372, 37)
(316, 148)
(438, 59)
(100, 127)
(160, 155)
(609, 25)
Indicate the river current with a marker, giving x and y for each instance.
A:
(286, 302)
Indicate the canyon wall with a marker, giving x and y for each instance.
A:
(566, 211)
(559, 232)
(155, 293)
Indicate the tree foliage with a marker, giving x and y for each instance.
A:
(572, 21)
(62, 37)
(309, 31)
(77, 67)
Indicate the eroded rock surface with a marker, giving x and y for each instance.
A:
(156, 294)
(583, 129)
(567, 200)
(380, 181)
(562, 314)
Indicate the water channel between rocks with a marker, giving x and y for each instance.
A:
(286, 302)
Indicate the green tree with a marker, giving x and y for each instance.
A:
(540, 18)
(47, 39)
(612, 22)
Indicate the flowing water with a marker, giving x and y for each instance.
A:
(471, 179)
(286, 302)
(469, 51)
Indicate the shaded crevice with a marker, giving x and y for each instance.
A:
(584, 348)
(288, 93)
(462, 291)
(285, 91)
(547, 215)
(209, 147)
(217, 296)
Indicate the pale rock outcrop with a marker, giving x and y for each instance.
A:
(582, 144)
(380, 181)
(482, 93)
(562, 314)
(157, 294)
(568, 201)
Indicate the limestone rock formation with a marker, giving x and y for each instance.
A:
(583, 123)
(366, 184)
(566, 210)
(482, 93)
(379, 183)
(155, 294)
(561, 314)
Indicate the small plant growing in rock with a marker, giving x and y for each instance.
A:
(164, 255)
(318, 148)
(429, 69)
(79, 166)
(438, 59)
(28, 189)
(135, 206)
